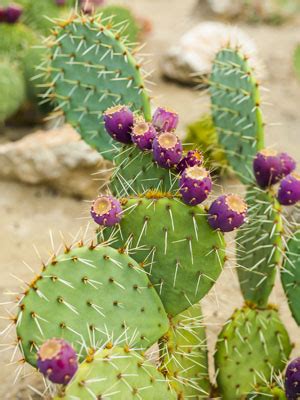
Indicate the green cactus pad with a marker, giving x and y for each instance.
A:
(184, 355)
(252, 346)
(269, 392)
(290, 275)
(236, 110)
(136, 172)
(91, 70)
(118, 373)
(13, 90)
(259, 247)
(90, 296)
(178, 248)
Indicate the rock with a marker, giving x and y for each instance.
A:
(57, 158)
(193, 54)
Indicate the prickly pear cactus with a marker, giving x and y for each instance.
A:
(118, 373)
(122, 15)
(290, 275)
(259, 246)
(235, 102)
(179, 250)
(13, 91)
(252, 346)
(184, 355)
(90, 69)
(89, 296)
(136, 172)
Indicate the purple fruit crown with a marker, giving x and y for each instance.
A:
(106, 210)
(143, 134)
(57, 361)
(167, 150)
(227, 213)
(165, 120)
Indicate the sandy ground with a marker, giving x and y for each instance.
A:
(28, 214)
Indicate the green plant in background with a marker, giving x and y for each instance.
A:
(297, 61)
(13, 91)
(125, 313)
(203, 134)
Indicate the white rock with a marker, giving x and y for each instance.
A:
(195, 51)
(57, 158)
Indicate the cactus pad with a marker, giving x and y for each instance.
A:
(12, 89)
(91, 70)
(119, 14)
(118, 373)
(136, 172)
(236, 110)
(259, 247)
(184, 353)
(290, 275)
(252, 346)
(181, 253)
(89, 296)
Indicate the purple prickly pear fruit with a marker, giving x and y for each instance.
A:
(118, 122)
(288, 164)
(13, 13)
(289, 190)
(89, 6)
(193, 157)
(60, 2)
(267, 167)
(106, 210)
(2, 14)
(57, 361)
(292, 380)
(195, 185)
(143, 134)
(165, 120)
(167, 149)
(227, 213)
